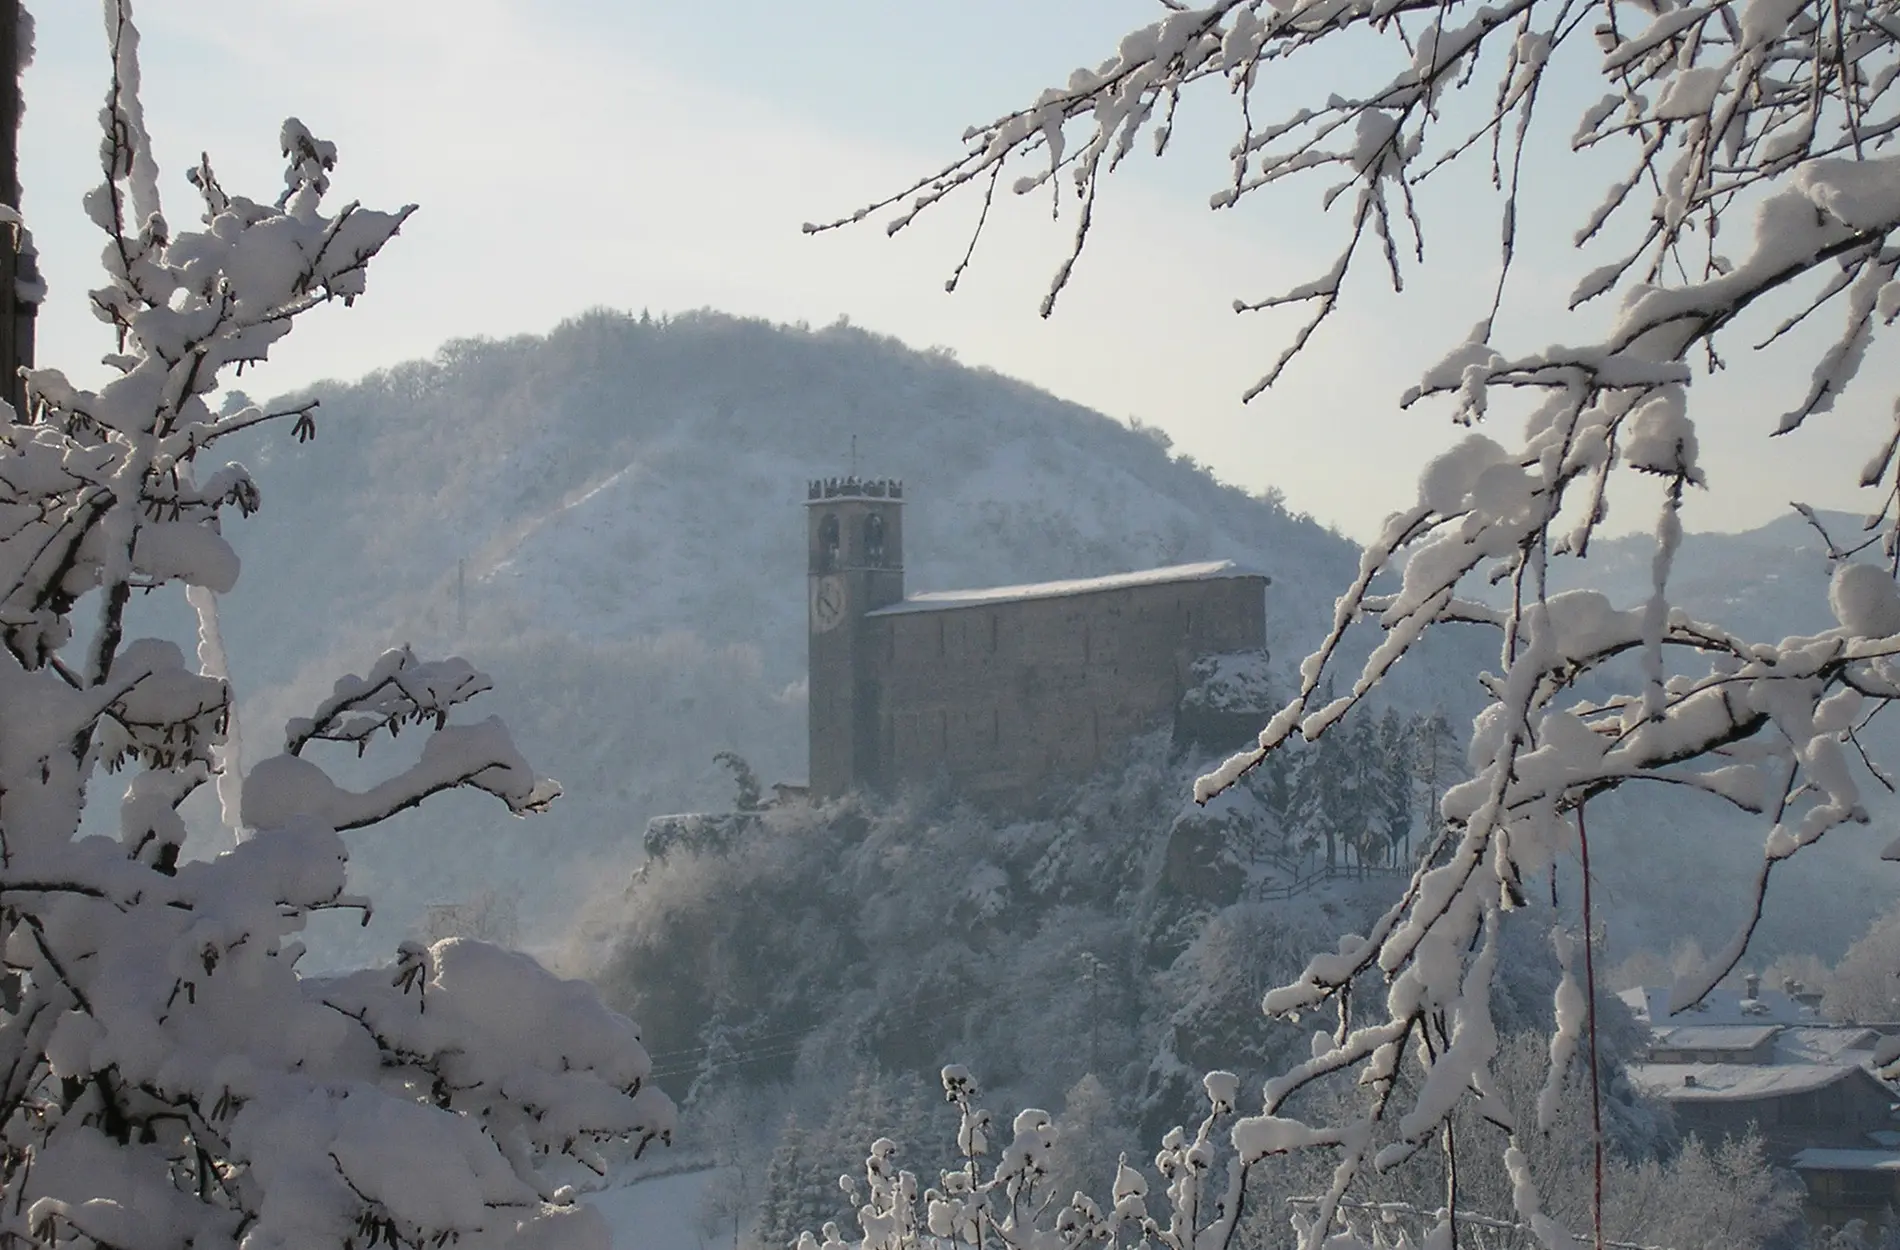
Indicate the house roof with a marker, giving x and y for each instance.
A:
(1650, 1004)
(946, 600)
(1714, 1036)
(1737, 1082)
(1824, 1159)
(1827, 1044)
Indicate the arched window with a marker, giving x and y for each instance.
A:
(874, 540)
(828, 543)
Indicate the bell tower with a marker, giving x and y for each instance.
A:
(855, 564)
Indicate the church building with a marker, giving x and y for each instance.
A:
(1004, 689)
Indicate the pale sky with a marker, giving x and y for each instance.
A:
(662, 155)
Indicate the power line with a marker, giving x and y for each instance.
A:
(673, 1056)
(715, 1065)
(672, 1063)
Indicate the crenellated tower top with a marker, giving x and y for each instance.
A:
(822, 490)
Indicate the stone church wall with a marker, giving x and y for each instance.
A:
(1005, 697)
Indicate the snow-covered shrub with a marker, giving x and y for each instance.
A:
(171, 1080)
(1685, 1196)
(1777, 110)
(1002, 1193)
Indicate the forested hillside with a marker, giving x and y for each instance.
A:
(806, 973)
(608, 521)
(1096, 960)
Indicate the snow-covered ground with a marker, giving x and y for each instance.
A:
(661, 1213)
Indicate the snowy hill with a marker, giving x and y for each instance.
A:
(646, 476)
(607, 520)
(1766, 583)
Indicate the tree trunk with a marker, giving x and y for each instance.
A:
(16, 315)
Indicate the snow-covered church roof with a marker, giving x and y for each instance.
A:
(944, 600)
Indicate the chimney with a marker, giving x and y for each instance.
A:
(1751, 985)
(1688, 1080)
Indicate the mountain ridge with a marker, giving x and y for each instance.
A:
(608, 519)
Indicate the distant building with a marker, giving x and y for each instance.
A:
(1761, 1060)
(1795, 1106)
(1001, 690)
(1714, 1043)
(1861, 1183)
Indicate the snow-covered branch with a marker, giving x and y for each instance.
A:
(1775, 113)
(167, 1077)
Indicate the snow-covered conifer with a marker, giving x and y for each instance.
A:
(1094, 1130)
(1437, 763)
(867, 1112)
(801, 1191)
(1361, 814)
(171, 1078)
(1396, 784)
(1320, 799)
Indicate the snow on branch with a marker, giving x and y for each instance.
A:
(167, 1076)
(399, 690)
(283, 788)
(1756, 180)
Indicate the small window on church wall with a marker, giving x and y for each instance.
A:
(874, 540)
(828, 543)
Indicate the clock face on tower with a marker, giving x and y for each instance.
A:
(827, 602)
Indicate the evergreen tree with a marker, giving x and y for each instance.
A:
(1397, 767)
(1362, 786)
(793, 1199)
(924, 1126)
(718, 1054)
(1437, 764)
(1091, 1133)
(869, 1111)
(1277, 778)
(1316, 796)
